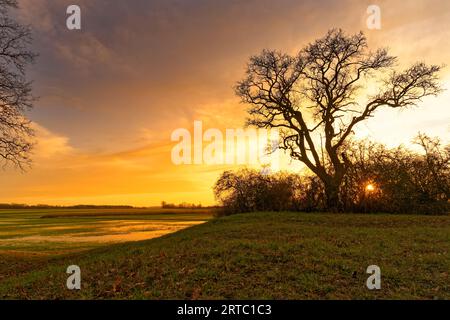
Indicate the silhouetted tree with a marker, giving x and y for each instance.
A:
(15, 90)
(435, 166)
(395, 180)
(402, 181)
(249, 190)
(312, 98)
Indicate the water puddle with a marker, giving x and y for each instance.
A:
(104, 232)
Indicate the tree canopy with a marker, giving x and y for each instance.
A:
(15, 90)
(316, 98)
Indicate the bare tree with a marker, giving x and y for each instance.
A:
(436, 167)
(314, 98)
(15, 90)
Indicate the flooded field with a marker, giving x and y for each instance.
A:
(53, 231)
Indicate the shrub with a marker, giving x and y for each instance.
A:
(379, 180)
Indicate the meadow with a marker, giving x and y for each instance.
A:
(61, 231)
(250, 256)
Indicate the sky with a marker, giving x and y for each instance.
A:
(112, 93)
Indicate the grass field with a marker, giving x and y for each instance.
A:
(257, 256)
(60, 231)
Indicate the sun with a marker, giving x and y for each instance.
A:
(370, 187)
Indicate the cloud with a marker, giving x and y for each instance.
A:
(50, 145)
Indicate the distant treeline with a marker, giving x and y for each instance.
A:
(183, 205)
(164, 205)
(45, 206)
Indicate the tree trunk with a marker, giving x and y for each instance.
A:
(332, 198)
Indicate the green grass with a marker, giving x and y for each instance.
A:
(254, 256)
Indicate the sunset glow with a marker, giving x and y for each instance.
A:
(112, 94)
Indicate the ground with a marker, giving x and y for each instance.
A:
(253, 256)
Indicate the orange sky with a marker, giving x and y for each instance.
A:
(112, 93)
